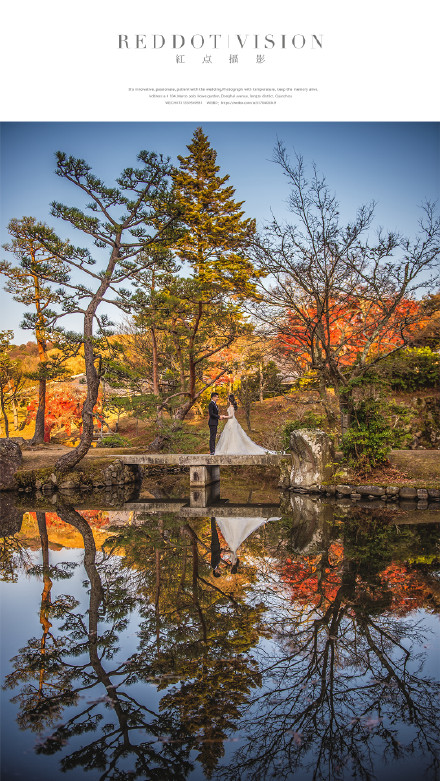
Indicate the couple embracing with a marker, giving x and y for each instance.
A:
(233, 440)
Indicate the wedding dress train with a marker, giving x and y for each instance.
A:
(236, 530)
(234, 440)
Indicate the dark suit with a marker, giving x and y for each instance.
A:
(215, 545)
(214, 417)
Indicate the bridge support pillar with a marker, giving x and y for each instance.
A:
(200, 476)
(205, 495)
(204, 485)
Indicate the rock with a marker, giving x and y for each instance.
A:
(409, 504)
(313, 457)
(310, 521)
(434, 493)
(23, 443)
(10, 461)
(407, 492)
(344, 490)
(71, 481)
(371, 490)
(422, 493)
(392, 490)
(355, 497)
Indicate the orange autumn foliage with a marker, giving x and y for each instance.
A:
(309, 586)
(312, 584)
(407, 589)
(347, 329)
(63, 410)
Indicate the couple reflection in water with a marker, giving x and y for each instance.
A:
(234, 530)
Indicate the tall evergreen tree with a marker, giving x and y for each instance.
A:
(217, 237)
(28, 284)
(203, 308)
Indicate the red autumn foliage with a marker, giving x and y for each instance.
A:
(309, 582)
(407, 589)
(96, 519)
(313, 584)
(348, 328)
(63, 410)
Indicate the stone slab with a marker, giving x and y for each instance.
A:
(194, 459)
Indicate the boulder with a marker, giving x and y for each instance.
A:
(10, 461)
(407, 492)
(371, 490)
(313, 456)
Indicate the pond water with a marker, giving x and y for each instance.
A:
(312, 652)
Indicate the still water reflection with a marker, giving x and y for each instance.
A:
(135, 645)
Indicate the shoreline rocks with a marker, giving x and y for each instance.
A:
(386, 493)
(91, 477)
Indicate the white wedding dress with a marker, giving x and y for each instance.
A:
(234, 440)
(236, 530)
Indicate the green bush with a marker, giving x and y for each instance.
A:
(113, 440)
(410, 369)
(310, 421)
(370, 437)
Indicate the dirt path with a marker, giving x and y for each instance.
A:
(47, 455)
(421, 465)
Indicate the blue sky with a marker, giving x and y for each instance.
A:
(396, 164)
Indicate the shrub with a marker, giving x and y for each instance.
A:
(370, 437)
(113, 440)
(310, 421)
(410, 369)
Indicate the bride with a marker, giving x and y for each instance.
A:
(233, 440)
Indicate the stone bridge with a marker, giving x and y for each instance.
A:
(204, 470)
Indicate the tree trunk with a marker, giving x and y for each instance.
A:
(155, 360)
(346, 411)
(40, 335)
(260, 377)
(3, 409)
(70, 515)
(181, 412)
(15, 413)
(70, 460)
(38, 437)
(45, 597)
(331, 415)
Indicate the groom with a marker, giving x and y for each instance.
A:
(214, 417)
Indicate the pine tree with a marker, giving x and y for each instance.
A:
(28, 284)
(126, 223)
(217, 236)
(204, 307)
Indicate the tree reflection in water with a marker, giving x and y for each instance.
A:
(312, 655)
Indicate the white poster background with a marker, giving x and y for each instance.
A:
(61, 62)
